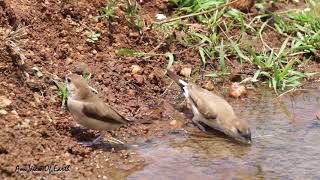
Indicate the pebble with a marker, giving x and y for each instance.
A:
(209, 85)
(69, 60)
(176, 123)
(237, 90)
(131, 92)
(4, 102)
(138, 78)
(14, 112)
(136, 69)
(134, 34)
(3, 112)
(37, 98)
(186, 72)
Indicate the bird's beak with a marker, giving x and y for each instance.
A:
(245, 137)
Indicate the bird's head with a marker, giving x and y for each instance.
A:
(238, 129)
(78, 87)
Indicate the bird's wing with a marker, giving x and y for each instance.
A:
(103, 112)
(202, 100)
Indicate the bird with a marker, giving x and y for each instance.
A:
(213, 111)
(89, 110)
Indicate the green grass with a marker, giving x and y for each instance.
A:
(222, 35)
(62, 91)
(107, 11)
(135, 20)
(278, 66)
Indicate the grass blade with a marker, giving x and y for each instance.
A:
(170, 60)
(202, 55)
(221, 58)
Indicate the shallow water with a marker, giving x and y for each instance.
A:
(286, 145)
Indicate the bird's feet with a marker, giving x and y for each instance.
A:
(114, 141)
(94, 142)
(88, 143)
(100, 139)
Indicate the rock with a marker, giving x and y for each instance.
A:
(4, 102)
(237, 90)
(176, 123)
(243, 5)
(24, 124)
(318, 114)
(131, 92)
(186, 72)
(37, 98)
(69, 60)
(209, 85)
(136, 69)
(3, 112)
(160, 17)
(134, 34)
(14, 112)
(139, 79)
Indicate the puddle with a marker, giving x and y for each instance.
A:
(286, 145)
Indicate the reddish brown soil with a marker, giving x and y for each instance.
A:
(55, 41)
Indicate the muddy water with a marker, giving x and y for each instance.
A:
(286, 145)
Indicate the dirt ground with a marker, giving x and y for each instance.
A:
(51, 35)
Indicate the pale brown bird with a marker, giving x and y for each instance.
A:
(90, 111)
(213, 111)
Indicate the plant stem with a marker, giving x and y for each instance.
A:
(197, 14)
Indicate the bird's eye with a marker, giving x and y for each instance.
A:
(68, 80)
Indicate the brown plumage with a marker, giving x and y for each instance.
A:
(88, 109)
(213, 111)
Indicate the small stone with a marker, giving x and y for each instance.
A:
(80, 48)
(3, 112)
(37, 98)
(136, 69)
(138, 78)
(33, 104)
(4, 102)
(14, 112)
(69, 60)
(94, 51)
(186, 72)
(131, 92)
(134, 34)
(209, 85)
(176, 123)
(161, 17)
(237, 90)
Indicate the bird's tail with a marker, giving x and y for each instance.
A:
(176, 79)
